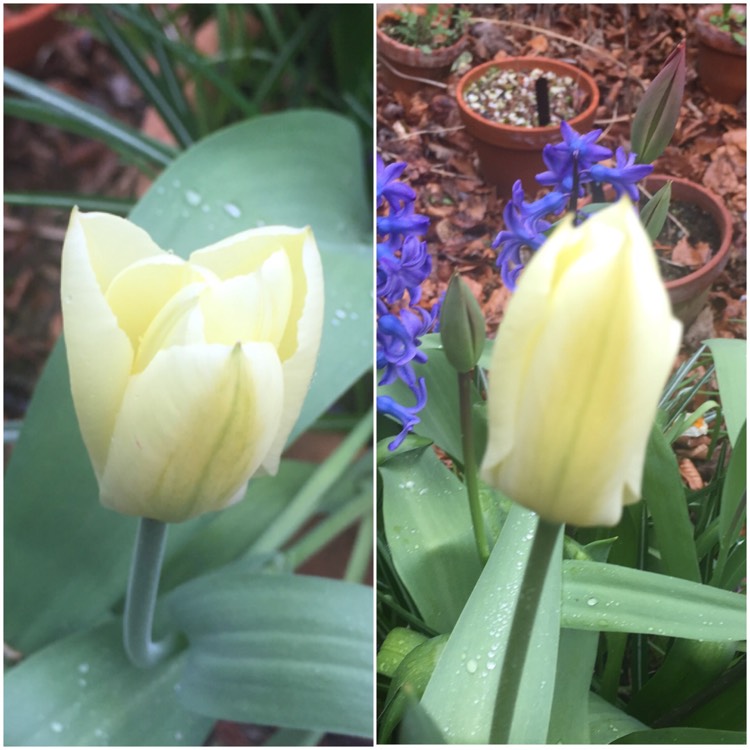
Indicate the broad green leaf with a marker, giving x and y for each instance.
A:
(294, 168)
(82, 691)
(397, 644)
(654, 213)
(461, 696)
(428, 527)
(286, 650)
(409, 681)
(664, 494)
(730, 358)
(569, 720)
(689, 668)
(733, 496)
(600, 596)
(683, 736)
(607, 722)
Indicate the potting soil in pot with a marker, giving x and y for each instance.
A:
(508, 97)
(680, 254)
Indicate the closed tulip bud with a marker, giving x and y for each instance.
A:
(461, 326)
(579, 363)
(187, 376)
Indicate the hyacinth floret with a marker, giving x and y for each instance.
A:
(574, 161)
(403, 265)
(623, 175)
(525, 227)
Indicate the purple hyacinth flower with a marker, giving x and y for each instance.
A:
(388, 187)
(623, 175)
(405, 415)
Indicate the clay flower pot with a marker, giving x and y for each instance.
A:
(721, 59)
(689, 294)
(401, 63)
(26, 30)
(506, 152)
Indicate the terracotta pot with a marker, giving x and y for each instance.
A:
(690, 293)
(508, 153)
(721, 60)
(400, 63)
(25, 31)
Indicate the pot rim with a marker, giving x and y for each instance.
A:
(584, 81)
(29, 15)
(714, 205)
(407, 48)
(714, 37)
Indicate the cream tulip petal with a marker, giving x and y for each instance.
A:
(140, 291)
(246, 252)
(299, 354)
(193, 428)
(254, 307)
(178, 323)
(115, 243)
(99, 354)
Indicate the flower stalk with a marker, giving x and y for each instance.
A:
(140, 601)
(470, 465)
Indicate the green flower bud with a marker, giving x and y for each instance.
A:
(461, 326)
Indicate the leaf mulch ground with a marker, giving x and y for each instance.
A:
(623, 47)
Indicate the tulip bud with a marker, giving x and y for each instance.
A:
(581, 357)
(461, 326)
(187, 376)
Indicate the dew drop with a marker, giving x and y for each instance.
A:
(56, 726)
(471, 666)
(205, 208)
(233, 210)
(491, 665)
(592, 602)
(176, 183)
(178, 735)
(83, 668)
(192, 197)
(340, 314)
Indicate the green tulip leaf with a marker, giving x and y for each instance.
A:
(664, 494)
(287, 650)
(409, 682)
(66, 556)
(428, 527)
(82, 691)
(462, 694)
(600, 596)
(576, 656)
(730, 357)
(683, 736)
(607, 722)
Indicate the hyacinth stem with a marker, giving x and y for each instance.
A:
(519, 638)
(140, 602)
(470, 465)
(573, 205)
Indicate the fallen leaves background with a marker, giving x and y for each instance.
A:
(623, 47)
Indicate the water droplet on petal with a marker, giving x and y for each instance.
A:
(233, 210)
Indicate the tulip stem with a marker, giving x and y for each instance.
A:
(141, 597)
(470, 465)
(519, 638)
